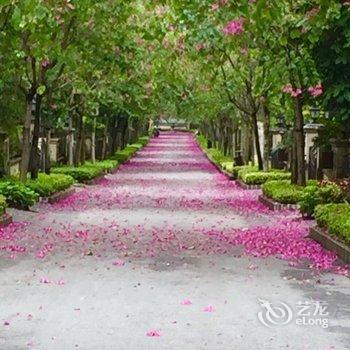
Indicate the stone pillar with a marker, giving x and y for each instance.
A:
(341, 154)
(53, 149)
(276, 138)
(311, 132)
(5, 153)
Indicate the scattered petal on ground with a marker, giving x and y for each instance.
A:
(153, 333)
(209, 308)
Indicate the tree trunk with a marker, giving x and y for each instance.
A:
(6, 159)
(70, 143)
(267, 138)
(78, 146)
(47, 160)
(104, 142)
(83, 143)
(114, 135)
(35, 153)
(298, 167)
(93, 143)
(257, 141)
(25, 154)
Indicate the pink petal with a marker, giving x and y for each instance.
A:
(153, 333)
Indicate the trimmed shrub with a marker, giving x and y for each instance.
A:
(213, 154)
(202, 141)
(143, 140)
(80, 174)
(260, 177)
(134, 146)
(46, 185)
(283, 191)
(243, 169)
(17, 194)
(3, 204)
(123, 155)
(227, 166)
(217, 156)
(336, 218)
(322, 194)
(103, 165)
(344, 185)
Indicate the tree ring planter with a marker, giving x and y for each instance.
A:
(93, 181)
(245, 186)
(5, 219)
(273, 205)
(322, 237)
(59, 195)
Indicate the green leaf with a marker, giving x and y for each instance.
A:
(41, 90)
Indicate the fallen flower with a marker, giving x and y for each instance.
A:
(44, 280)
(153, 333)
(119, 263)
(209, 308)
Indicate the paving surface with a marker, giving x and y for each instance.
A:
(149, 258)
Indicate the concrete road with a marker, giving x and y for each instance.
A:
(145, 260)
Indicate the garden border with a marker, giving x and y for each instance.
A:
(217, 166)
(5, 219)
(322, 237)
(245, 186)
(274, 205)
(94, 180)
(59, 195)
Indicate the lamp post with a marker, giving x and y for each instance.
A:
(315, 111)
(281, 124)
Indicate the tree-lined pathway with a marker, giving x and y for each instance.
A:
(164, 254)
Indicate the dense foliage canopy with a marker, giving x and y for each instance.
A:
(223, 64)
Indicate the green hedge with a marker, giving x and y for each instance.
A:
(319, 194)
(143, 140)
(217, 156)
(80, 173)
(18, 194)
(243, 169)
(46, 185)
(135, 146)
(103, 165)
(202, 141)
(228, 166)
(260, 177)
(336, 218)
(3, 204)
(283, 191)
(123, 155)
(214, 154)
